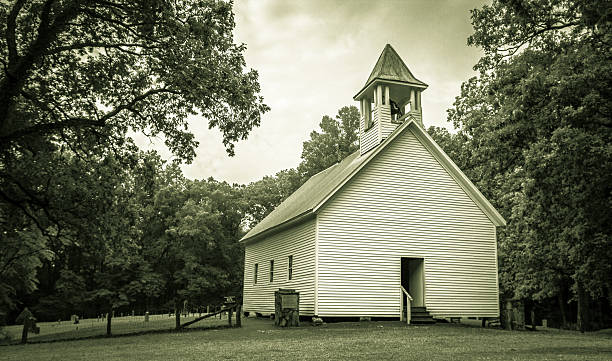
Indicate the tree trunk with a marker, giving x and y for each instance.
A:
(108, 322)
(177, 315)
(26, 328)
(563, 308)
(583, 310)
(598, 317)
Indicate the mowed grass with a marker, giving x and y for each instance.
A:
(259, 340)
(66, 330)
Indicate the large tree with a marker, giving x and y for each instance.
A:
(77, 77)
(537, 121)
(191, 241)
(74, 68)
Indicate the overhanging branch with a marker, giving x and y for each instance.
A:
(11, 24)
(119, 46)
(511, 50)
(81, 122)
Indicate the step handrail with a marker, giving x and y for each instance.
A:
(409, 300)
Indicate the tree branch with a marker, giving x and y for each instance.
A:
(17, 72)
(25, 211)
(513, 49)
(79, 122)
(77, 46)
(11, 24)
(128, 27)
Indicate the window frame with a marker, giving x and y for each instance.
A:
(271, 270)
(255, 270)
(290, 267)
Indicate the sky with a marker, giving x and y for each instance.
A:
(313, 56)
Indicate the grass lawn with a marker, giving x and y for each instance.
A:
(66, 330)
(259, 340)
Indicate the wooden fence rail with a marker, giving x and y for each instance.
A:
(229, 309)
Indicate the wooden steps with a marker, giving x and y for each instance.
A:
(420, 315)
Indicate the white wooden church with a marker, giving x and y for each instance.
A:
(394, 227)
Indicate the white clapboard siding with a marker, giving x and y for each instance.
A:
(404, 204)
(386, 126)
(298, 241)
(369, 138)
(416, 114)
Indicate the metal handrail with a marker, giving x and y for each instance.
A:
(409, 300)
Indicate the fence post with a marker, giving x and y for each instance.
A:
(26, 328)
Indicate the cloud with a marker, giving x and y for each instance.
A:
(313, 56)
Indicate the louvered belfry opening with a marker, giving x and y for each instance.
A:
(390, 95)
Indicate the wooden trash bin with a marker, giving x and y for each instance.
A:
(286, 308)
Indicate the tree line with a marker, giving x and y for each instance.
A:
(534, 133)
(91, 224)
(86, 219)
(148, 239)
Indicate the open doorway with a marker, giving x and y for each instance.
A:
(413, 280)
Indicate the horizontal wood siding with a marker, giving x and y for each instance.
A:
(386, 126)
(416, 114)
(404, 204)
(298, 241)
(369, 138)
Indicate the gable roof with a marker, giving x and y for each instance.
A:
(309, 195)
(320, 188)
(391, 67)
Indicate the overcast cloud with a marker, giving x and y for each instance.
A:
(313, 56)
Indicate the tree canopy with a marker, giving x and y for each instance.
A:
(79, 77)
(338, 138)
(76, 69)
(536, 125)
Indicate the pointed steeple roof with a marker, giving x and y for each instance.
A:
(391, 67)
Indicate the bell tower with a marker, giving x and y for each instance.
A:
(390, 96)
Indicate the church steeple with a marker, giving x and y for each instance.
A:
(390, 94)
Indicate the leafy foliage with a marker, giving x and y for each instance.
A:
(75, 69)
(264, 195)
(78, 77)
(507, 27)
(536, 125)
(22, 252)
(338, 140)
